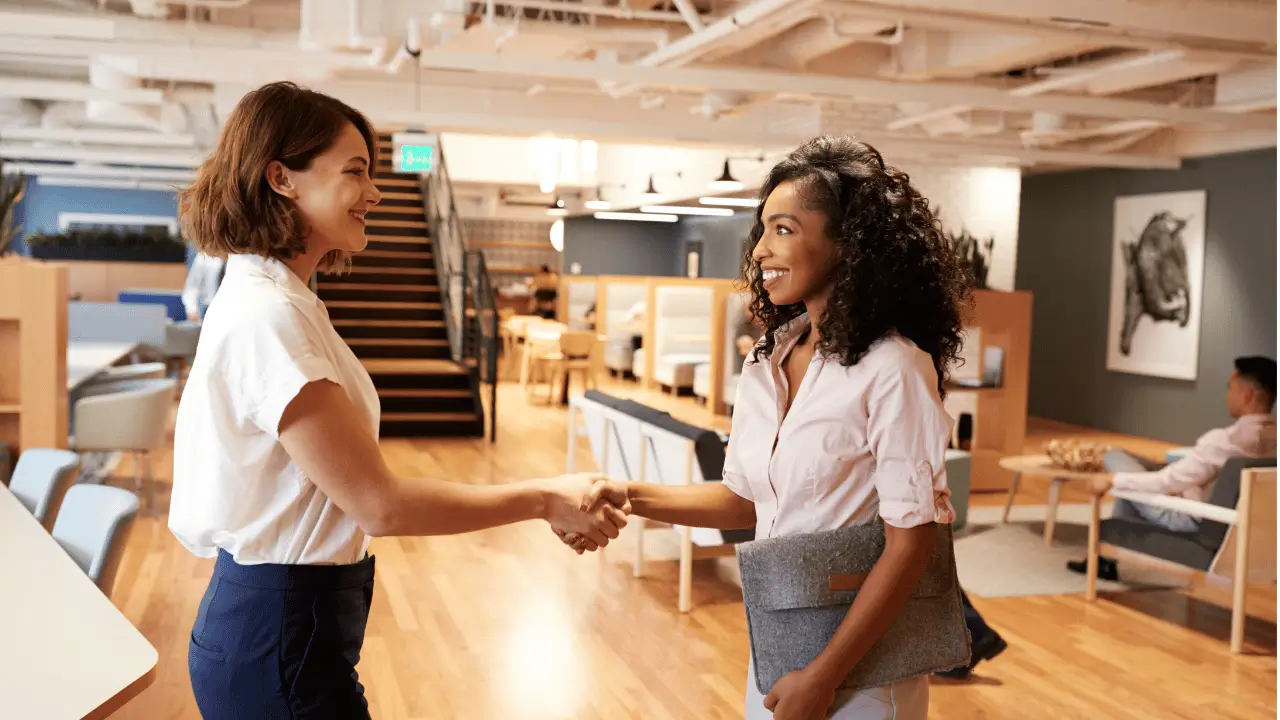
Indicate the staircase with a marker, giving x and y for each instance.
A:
(389, 310)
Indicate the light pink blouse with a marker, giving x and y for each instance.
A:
(857, 441)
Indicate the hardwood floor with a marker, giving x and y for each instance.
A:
(508, 624)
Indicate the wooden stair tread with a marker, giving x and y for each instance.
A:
(396, 182)
(412, 367)
(376, 286)
(407, 239)
(393, 342)
(378, 222)
(401, 196)
(423, 393)
(389, 323)
(403, 209)
(396, 254)
(376, 270)
(382, 304)
(429, 417)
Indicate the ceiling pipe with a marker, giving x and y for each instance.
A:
(690, 15)
(615, 11)
(699, 42)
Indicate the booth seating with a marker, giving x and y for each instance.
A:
(619, 352)
(1236, 537)
(637, 363)
(634, 442)
(682, 334)
(702, 383)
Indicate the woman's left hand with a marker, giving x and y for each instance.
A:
(801, 695)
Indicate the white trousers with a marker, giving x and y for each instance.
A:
(906, 700)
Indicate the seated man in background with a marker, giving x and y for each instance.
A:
(1251, 396)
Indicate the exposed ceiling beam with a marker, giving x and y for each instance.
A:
(117, 156)
(964, 22)
(98, 171)
(101, 137)
(876, 89)
(11, 87)
(1252, 23)
(894, 147)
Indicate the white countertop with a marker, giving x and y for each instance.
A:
(67, 650)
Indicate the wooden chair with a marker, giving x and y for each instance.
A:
(1236, 539)
(580, 351)
(541, 344)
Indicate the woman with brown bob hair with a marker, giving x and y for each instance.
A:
(277, 470)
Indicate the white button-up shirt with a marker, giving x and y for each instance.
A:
(857, 441)
(266, 335)
(1251, 436)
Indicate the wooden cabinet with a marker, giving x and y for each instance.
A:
(33, 353)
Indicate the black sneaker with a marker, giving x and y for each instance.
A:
(1107, 568)
(984, 648)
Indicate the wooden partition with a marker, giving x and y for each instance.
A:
(33, 353)
(96, 281)
(1003, 319)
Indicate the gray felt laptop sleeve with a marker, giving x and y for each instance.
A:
(798, 589)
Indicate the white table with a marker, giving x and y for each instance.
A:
(86, 359)
(68, 652)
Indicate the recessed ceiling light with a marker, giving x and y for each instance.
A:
(641, 217)
(729, 201)
(597, 204)
(683, 210)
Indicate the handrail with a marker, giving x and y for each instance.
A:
(467, 294)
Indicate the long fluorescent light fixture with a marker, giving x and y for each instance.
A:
(640, 216)
(683, 210)
(730, 201)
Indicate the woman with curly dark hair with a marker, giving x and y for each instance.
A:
(839, 418)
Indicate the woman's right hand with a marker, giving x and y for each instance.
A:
(581, 524)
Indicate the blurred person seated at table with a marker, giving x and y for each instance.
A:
(747, 335)
(203, 278)
(1251, 396)
(544, 285)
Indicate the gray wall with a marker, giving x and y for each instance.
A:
(1064, 258)
(722, 239)
(620, 247)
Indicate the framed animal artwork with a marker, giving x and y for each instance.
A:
(1157, 283)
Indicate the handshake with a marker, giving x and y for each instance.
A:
(586, 510)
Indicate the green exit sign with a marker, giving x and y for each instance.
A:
(416, 158)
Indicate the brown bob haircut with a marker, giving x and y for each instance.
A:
(230, 209)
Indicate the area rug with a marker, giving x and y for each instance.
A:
(1008, 560)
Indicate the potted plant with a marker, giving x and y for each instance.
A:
(110, 245)
(11, 190)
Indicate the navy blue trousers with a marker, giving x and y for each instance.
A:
(281, 642)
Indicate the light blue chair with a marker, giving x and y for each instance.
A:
(40, 480)
(1176, 454)
(93, 526)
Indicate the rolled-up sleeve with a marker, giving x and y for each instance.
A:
(908, 431)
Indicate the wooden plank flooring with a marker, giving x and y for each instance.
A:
(508, 624)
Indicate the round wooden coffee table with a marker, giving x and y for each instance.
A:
(1040, 466)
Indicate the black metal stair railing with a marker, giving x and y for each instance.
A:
(467, 295)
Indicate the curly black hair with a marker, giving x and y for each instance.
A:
(896, 271)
